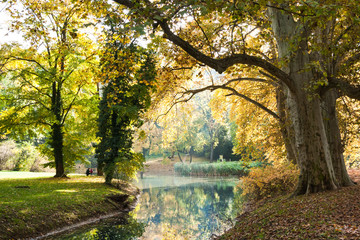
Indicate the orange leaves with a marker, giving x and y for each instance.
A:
(268, 182)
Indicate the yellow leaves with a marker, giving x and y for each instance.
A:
(269, 181)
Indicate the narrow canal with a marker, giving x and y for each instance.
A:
(172, 207)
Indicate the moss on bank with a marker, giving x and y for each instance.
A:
(32, 207)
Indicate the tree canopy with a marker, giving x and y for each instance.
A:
(51, 81)
(128, 75)
(306, 52)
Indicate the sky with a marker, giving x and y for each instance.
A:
(5, 35)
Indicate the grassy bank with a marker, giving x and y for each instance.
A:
(237, 168)
(326, 215)
(31, 207)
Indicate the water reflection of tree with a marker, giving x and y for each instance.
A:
(124, 230)
(197, 209)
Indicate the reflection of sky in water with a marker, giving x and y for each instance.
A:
(192, 208)
(173, 208)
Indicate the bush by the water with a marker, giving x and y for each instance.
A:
(237, 168)
(268, 182)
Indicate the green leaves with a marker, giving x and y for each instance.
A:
(52, 84)
(128, 73)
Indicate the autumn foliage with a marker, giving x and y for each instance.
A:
(271, 181)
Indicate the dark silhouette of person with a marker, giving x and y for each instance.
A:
(87, 172)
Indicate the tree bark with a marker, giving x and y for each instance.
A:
(304, 110)
(286, 129)
(109, 164)
(57, 145)
(57, 141)
(334, 138)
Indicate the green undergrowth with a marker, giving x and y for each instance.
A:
(237, 168)
(326, 215)
(31, 207)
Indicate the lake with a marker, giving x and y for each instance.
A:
(172, 207)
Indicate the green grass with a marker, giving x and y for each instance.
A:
(44, 204)
(21, 174)
(16, 174)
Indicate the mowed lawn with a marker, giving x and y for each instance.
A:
(31, 206)
(13, 174)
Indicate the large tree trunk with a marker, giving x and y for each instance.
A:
(334, 138)
(316, 169)
(109, 164)
(285, 127)
(304, 110)
(57, 145)
(57, 141)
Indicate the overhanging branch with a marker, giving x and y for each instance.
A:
(234, 92)
(220, 64)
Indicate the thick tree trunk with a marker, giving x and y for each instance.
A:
(334, 138)
(57, 145)
(57, 141)
(315, 163)
(109, 170)
(304, 110)
(109, 163)
(285, 127)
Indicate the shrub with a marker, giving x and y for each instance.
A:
(7, 151)
(20, 157)
(182, 169)
(271, 181)
(28, 158)
(212, 169)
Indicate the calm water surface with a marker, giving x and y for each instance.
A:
(172, 208)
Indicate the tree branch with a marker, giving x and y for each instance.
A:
(235, 93)
(30, 60)
(67, 110)
(249, 79)
(346, 88)
(220, 64)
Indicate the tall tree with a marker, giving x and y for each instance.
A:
(309, 49)
(53, 80)
(128, 73)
